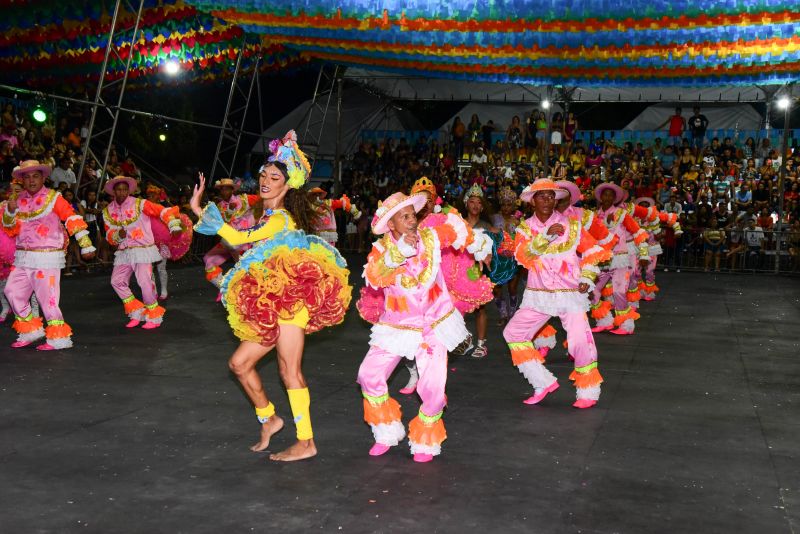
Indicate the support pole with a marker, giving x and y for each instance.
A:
(782, 177)
(337, 162)
(547, 131)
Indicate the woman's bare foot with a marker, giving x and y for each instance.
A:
(268, 429)
(299, 451)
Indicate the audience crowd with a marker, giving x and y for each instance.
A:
(725, 192)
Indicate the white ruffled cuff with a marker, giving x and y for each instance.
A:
(481, 246)
(405, 249)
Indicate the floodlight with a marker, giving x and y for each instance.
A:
(784, 102)
(39, 115)
(545, 104)
(162, 137)
(172, 67)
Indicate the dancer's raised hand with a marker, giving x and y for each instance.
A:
(197, 195)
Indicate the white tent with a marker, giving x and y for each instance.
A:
(720, 117)
(421, 88)
(361, 110)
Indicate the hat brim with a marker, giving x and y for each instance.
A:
(650, 201)
(572, 188)
(417, 200)
(318, 191)
(233, 186)
(527, 196)
(44, 169)
(133, 185)
(619, 193)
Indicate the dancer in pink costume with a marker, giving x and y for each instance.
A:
(561, 258)
(545, 339)
(35, 218)
(651, 221)
(237, 212)
(326, 218)
(129, 227)
(419, 322)
(468, 288)
(630, 249)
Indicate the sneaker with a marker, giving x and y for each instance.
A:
(480, 351)
(464, 347)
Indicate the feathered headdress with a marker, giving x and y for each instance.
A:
(288, 152)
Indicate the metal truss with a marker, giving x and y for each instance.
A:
(103, 125)
(239, 97)
(327, 85)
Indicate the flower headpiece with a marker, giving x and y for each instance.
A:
(507, 196)
(474, 191)
(288, 152)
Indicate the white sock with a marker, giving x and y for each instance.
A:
(163, 277)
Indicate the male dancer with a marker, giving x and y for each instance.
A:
(419, 322)
(561, 258)
(236, 211)
(326, 219)
(35, 218)
(128, 226)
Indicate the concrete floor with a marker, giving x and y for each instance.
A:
(133, 431)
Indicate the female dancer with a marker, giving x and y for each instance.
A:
(289, 283)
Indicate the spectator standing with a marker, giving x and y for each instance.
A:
(677, 125)
(698, 124)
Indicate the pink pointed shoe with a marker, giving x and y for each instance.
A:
(150, 326)
(422, 458)
(133, 323)
(408, 391)
(20, 344)
(598, 329)
(379, 449)
(584, 403)
(536, 398)
(621, 332)
(544, 351)
(45, 346)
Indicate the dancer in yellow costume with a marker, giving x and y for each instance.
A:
(289, 284)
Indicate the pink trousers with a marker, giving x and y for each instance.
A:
(620, 278)
(45, 283)
(526, 322)
(431, 359)
(120, 281)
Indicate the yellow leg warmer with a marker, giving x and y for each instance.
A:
(265, 413)
(300, 402)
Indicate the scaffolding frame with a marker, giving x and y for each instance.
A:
(106, 90)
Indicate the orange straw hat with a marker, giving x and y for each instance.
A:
(226, 182)
(542, 184)
(318, 191)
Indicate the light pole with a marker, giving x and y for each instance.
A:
(784, 103)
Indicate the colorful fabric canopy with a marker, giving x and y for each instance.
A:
(574, 42)
(51, 43)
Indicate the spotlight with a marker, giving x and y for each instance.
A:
(172, 67)
(784, 102)
(162, 137)
(545, 104)
(39, 115)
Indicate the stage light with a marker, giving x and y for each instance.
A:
(39, 115)
(784, 102)
(172, 67)
(545, 104)
(162, 137)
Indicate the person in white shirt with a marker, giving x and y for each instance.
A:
(673, 206)
(753, 238)
(479, 156)
(64, 174)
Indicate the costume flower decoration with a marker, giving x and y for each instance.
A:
(288, 152)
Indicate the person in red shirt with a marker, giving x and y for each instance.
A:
(677, 125)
